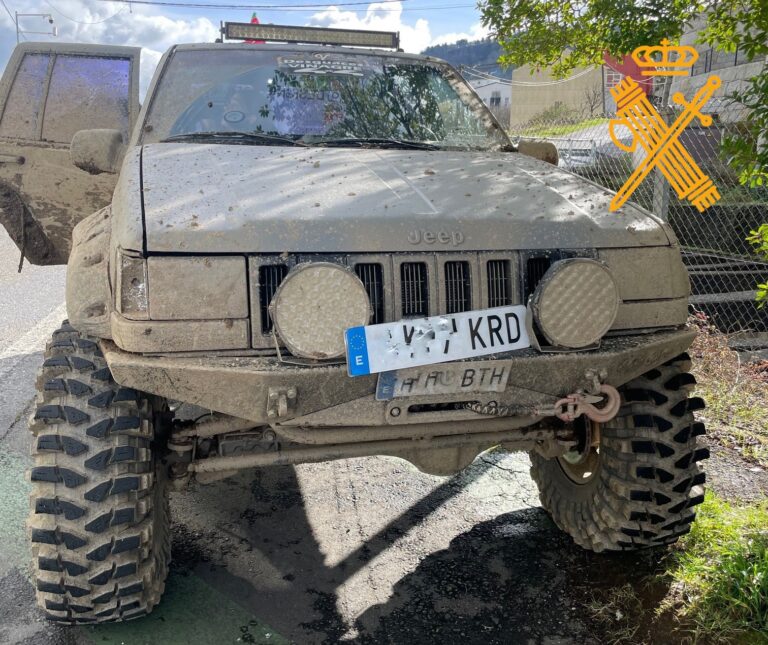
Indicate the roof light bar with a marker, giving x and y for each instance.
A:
(311, 35)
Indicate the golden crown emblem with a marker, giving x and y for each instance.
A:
(674, 60)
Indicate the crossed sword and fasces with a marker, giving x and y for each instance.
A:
(661, 144)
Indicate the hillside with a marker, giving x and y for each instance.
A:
(481, 54)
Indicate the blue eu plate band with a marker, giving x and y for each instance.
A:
(357, 351)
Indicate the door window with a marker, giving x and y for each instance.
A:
(23, 109)
(87, 92)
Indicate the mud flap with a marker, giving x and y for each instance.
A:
(24, 230)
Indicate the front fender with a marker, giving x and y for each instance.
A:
(89, 292)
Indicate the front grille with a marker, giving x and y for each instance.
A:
(458, 287)
(270, 277)
(499, 283)
(535, 268)
(400, 285)
(414, 290)
(371, 276)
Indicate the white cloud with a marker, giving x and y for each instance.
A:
(147, 27)
(382, 17)
(109, 24)
(476, 32)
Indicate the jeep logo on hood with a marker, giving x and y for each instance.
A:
(440, 237)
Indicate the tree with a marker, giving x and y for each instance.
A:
(564, 34)
(593, 100)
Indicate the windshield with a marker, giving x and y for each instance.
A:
(317, 98)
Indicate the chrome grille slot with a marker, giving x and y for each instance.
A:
(499, 283)
(414, 289)
(458, 287)
(535, 268)
(371, 275)
(270, 277)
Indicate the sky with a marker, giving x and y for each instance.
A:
(155, 28)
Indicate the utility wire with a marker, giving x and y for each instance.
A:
(86, 22)
(498, 79)
(504, 81)
(306, 8)
(196, 5)
(13, 20)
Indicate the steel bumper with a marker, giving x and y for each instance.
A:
(266, 391)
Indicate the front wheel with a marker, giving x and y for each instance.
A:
(98, 524)
(638, 483)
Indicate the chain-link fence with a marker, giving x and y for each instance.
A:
(723, 268)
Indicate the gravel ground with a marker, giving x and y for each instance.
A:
(734, 477)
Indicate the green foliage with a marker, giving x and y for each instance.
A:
(538, 127)
(556, 114)
(759, 240)
(566, 35)
(722, 569)
(748, 153)
(483, 53)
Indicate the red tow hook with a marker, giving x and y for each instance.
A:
(574, 405)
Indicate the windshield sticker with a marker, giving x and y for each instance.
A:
(308, 115)
(298, 94)
(319, 64)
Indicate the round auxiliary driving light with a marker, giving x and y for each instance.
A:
(313, 307)
(575, 303)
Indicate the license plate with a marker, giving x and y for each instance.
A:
(437, 339)
(447, 379)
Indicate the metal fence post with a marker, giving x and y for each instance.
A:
(661, 195)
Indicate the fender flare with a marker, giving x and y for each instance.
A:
(89, 292)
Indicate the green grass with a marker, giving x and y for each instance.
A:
(712, 587)
(735, 393)
(558, 130)
(720, 572)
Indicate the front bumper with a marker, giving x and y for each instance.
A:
(267, 391)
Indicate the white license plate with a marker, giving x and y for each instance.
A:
(442, 379)
(437, 339)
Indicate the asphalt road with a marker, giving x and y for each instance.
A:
(364, 550)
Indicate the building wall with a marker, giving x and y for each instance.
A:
(614, 71)
(734, 77)
(529, 101)
(487, 89)
(497, 96)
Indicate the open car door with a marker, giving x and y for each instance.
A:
(48, 92)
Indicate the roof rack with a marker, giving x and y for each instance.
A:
(310, 35)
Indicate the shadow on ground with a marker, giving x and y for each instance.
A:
(513, 579)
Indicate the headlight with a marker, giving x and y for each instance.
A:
(575, 303)
(313, 307)
(132, 279)
(197, 288)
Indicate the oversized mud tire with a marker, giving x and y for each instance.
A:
(641, 486)
(98, 524)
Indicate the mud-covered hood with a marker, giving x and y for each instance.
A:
(201, 198)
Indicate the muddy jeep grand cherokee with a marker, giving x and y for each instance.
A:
(311, 252)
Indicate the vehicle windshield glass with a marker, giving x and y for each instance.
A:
(317, 98)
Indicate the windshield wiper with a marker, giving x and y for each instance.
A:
(244, 138)
(376, 142)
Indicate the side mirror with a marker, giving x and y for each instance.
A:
(97, 151)
(544, 150)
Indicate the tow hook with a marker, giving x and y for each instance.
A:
(574, 405)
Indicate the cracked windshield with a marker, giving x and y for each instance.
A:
(318, 98)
